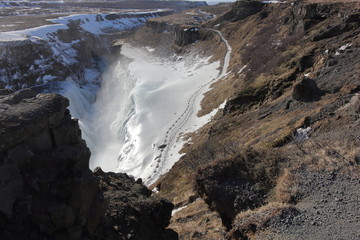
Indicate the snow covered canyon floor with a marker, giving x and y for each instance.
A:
(142, 110)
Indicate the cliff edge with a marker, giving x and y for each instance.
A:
(48, 190)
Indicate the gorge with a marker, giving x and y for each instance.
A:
(242, 119)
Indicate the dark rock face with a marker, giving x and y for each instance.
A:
(244, 100)
(236, 184)
(159, 26)
(28, 63)
(16, 62)
(307, 91)
(307, 16)
(242, 10)
(47, 190)
(185, 35)
(132, 213)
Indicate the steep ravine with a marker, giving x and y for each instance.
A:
(281, 160)
(47, 189)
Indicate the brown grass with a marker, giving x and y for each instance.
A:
(287, 189)
(248, 222)
(196, 221)
(238, 183)
(268, 124)
(317, 157)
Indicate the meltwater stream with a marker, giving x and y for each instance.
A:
(143, 102)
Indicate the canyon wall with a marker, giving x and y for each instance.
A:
(30, 62)
(48, 191)
(80, 43)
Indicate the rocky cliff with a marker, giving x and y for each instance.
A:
(52, 54)
(31, 62)
(184, 30)
(48, 191)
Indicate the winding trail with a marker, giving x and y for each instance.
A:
(173, 132)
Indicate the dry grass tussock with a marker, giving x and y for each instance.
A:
(196, 221)
(321, 155)
(274, 173)
(287, 189)
(246, 223)
(242, 182)
(315, 156)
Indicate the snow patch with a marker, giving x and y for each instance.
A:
(48, 78)
(242, 69)
(344, 47)
(273, 1)
(302, 134)
(149, 49)
(88, 22)
(155, 190)
(183, 207)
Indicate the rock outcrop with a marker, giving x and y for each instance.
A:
(183, 34)
(240, 183)
(131, 212)
(184, 30)
(26, 63)
(186, 34)
(241, 10)
(47, 190)
(307, 91)
(17, 60)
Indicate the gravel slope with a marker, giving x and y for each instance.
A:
(330, 210)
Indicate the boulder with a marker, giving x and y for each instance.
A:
(306, 91)
(132, 212)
